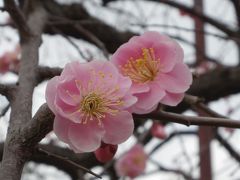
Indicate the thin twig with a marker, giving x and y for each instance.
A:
(180, 133)
(69, 161)
(228, 147)
(93, 38)
(70, 41)
(183, 29)
(17, 17)
(177, 171)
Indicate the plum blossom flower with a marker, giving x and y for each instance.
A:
(132, 163)
(105, 152)
(90, 102)
(155, 64)
(9, 61)
(158, 131)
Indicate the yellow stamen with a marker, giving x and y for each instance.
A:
(95, 106)
(143, 69)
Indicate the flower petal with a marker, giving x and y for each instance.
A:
(169, 53)
(85, 137)
(139, 88)
(147, 39)
(118, 128)
(128, 101)
(172, 99)
(177, 81)
(60, 128)
(138, 110)
(50, 93)
(68, 92)
(125, 52)
(147, 100)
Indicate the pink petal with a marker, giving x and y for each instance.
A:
(85, 137)
(123, 85)
(60, 128)
(69, 93)
(81, 72)
(147, 100)
(51, 93)
(172, 99)
(64, 109)
(125, 52)
(138, 110)
(128, 101)
(139, 88)
(177, 81)
(149, 38)
(118, 128)
(106, 74)
(169, 53)
(70, 68)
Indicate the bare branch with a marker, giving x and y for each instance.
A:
(39, 126)
(177, 171)
(65, 159)
(45, 73)
(4, 111)
(16, 151)
(17, 17)
(228, 147)
(219, 25)
(7, 90)
(190, 120)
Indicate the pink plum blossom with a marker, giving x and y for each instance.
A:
(9, 61)
(90, 102)
(158, 131)
(155, 64)
(132, 163)
(105, 152)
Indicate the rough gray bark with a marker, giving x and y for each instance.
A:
(16, 149)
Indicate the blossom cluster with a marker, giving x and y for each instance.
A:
(93, 102)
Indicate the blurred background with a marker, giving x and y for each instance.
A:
(209, 33)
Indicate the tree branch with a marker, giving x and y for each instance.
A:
(228, 147)
(215, 23)
(16, 151)
(7, 90)
(17, 17)
(190, 120)
(65, 159)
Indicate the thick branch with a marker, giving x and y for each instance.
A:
(16, 152)
(87, 159)
(39, 126)
(7, 90)
(45, 73)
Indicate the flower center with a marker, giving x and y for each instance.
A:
(95, 106)
(143, 69)
(92, 105)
